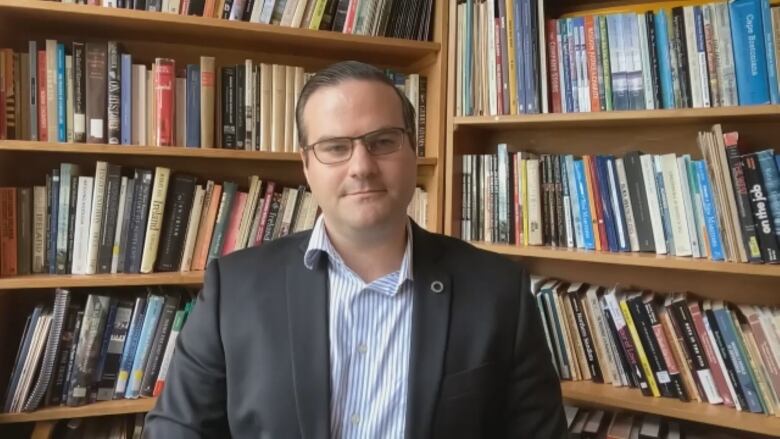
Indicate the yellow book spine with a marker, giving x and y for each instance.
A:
(591, 202)
(319, 11)
(639, 349)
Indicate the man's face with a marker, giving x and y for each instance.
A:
(366, 192)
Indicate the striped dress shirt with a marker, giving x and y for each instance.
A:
(370, 336)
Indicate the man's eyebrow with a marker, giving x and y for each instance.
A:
(330, 137)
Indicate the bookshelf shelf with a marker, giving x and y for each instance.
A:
(158, 151)
(607, 119)
(99, 280)
(607, 396)
(127, 24)
(648, 260)
(105, 408)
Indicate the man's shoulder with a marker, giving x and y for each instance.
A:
(472, 258)
(272, 254)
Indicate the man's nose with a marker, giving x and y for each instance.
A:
(362, 162)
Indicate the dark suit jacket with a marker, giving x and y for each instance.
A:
(253, 358)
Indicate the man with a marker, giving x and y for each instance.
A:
(367, 326)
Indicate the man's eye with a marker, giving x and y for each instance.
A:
(334, 148)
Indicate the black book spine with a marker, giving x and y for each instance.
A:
(67, 340)
(742, 199)
(135, 241)
(71, 357)
(79, 93)
(88, 351)
(654, 65)
(74, 189)
(724, 354)
(650, 344)
(238, 106)
(110, 213)
(341, 16)
(175, 223)
(678, 22)
(682, 320)
(759, 204)
(196, 7)
(108, 328)
(273, 214)
(422, 115)
(664, 344)
(161, 333)
(329, 15)
(228, 107)
(113, 94)
(587, 339)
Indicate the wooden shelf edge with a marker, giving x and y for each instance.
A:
(233, 29)
(161, 151)
(606, 118)
(104, 408)
(36, 281)
(634, 259)
(617, 398)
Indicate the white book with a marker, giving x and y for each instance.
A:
(647, 75)
(237, 10)
(718, 146)
(192, 228)
(257, 8)
(491, 63)
(300, 80)
(704, 72)
(96, 216)
(154, 223)
(674, 200)
(633, 237)
(648, 174)
(39, 228)
(297, 17)
(694, 71)
(542, 28)
(289, 11)
(38, 341)
(688, 209)
(69, 97)
(120, 218)
(249, 210)
(249, 122)
(138, 103)
(266, 106)
(599, 335)
(172, 7)
(81, 226)
(727, 77)
(617, 206)
(634, 55)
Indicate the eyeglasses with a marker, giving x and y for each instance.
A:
(339, 149)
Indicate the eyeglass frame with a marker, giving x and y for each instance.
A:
(405, 131)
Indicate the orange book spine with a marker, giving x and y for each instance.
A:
(206, 230)
(8, 244)
(586, 162)
(593, 69)
(231, 233)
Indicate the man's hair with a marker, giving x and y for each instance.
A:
(339, 72)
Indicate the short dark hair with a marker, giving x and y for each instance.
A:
(342, 71)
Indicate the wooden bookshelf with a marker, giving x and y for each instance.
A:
(104, 408)
(649, 260)
(94, 149)
(620, 398)
(616, 133)
(39, 281)
(147, 35)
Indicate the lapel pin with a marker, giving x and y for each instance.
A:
(437, 287)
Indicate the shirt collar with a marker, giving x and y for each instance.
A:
(320, 244)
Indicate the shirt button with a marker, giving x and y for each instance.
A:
(355, 419)
(362, 348)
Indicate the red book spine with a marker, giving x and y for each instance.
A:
(593, 69)
(499, 72)
(43, 112)
(8, 238)
(231, 233)
(717, 371)
(555, 78)
(350, 20)
(164, 88)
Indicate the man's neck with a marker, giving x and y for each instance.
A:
(371, 255)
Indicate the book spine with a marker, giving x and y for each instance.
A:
(165, 104)
(126, 99)
(114, 94)
(771, 176)
(96, 86)
(130, 346)
(759, 204)
(154, 223)
(62, 130)
(749, 52)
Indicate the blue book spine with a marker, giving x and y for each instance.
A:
(571, 180)
(772, 183)
(664, 62)
(193, 106)
(771, 67)
(126, 100)
(749, 52)
(584, 201)
(738, 359)
(519, 36)
(563, 30)
(574, 77)
(777, 161)
(62, 131)
(131, 344)
(663, 201)
(710, 211)
(153, 310)
(606, 205)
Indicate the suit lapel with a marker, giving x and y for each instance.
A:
(430, 322)
(307, 309)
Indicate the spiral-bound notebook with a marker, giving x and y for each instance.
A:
(61, 301)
